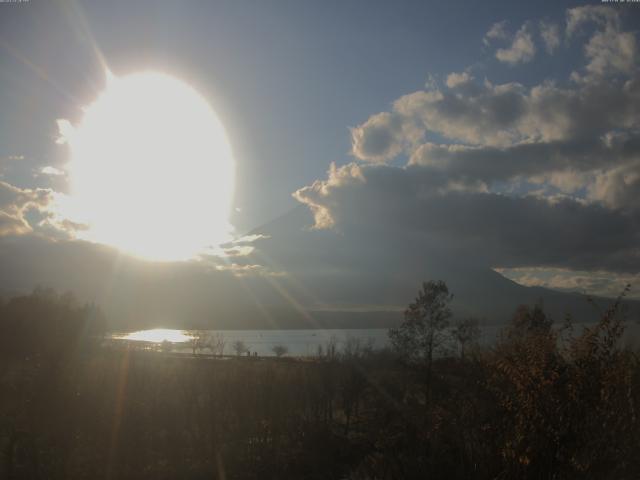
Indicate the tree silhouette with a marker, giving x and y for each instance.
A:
(200, 341)
(423, 330)
(527, 320)
(218, 343)
(279, 350)
(465, 332)
(239, 347)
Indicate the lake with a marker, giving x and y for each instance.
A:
(303, 343)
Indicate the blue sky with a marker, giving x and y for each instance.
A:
(287, 78)
(365, 112)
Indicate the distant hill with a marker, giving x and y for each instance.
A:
(309, 279)
(358, 269)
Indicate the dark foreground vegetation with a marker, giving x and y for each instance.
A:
(543, 403)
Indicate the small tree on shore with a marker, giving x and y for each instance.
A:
(239, 347)
(218, 343)
(279, 350)
(200, 341)
(466, 332)
(423, 330)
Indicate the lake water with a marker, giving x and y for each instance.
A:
(301, 343)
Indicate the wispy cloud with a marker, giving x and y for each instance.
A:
(550, 34)
(496, 32)
(522, 49)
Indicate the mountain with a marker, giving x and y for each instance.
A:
(361, 274)
(296, 277)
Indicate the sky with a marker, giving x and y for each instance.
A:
(287, 78)
(506, 130)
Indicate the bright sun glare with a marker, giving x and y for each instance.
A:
(158, 335)
(151, 170)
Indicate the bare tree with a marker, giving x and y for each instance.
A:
(355, 347)
(239, 347)
(279, 350)
(218, 343)
(200, 340)
(352, 347)
(332, 347)
(466, 332)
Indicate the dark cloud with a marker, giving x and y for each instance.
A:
(379, 139)
(540, 176)
(497, 230)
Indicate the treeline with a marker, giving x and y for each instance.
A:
(544, 402)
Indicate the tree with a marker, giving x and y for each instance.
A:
(280, 350)
(529, 321)
(200, 340)
(423, 330)
(566, 406)
(218, 343)
(239, 347)
(465, 332)
(47, 324)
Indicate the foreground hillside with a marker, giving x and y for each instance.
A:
(538, 405)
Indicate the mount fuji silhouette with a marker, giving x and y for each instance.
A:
(296, 277)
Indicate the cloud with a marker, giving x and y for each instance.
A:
(607, 172)
(618, 187)
(550, 33)
(610, 50)
(379, 139)
(496, 32)
(238, 251)
(543, 176)
(66, 131)
(319, 196)
(11, 225)
(498, 230)
(37, 211)
(581, 139)
(248, 239)
(522, 49)
(457, 80)
(486, 114)
(601, 15)
(598, 283)
(468, 112)
(15, 203)
(49, 170)
(248, 270)
(239, 247)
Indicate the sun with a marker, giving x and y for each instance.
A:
(151, 169)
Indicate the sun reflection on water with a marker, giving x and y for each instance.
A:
(158, 335)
